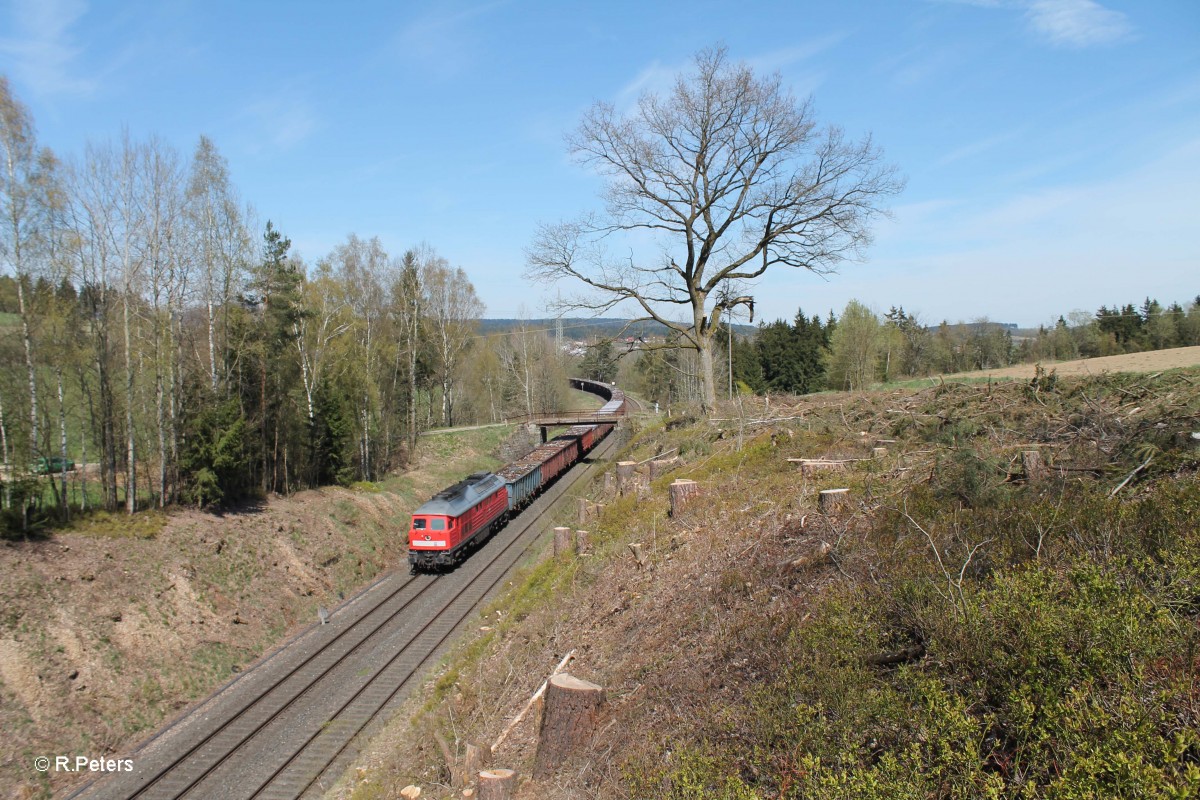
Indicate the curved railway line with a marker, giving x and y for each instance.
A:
(287, 727)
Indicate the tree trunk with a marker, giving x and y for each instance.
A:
(131, 451)
(160, 417)
(62, 442)
(27, 341)
(708, 383)
(569, 719)
(212, 344)
(4, 445)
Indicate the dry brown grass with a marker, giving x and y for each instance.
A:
(1151, 361)
(696, 632)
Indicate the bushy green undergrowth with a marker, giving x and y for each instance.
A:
(1053, 646)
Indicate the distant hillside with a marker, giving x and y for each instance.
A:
(577, 328)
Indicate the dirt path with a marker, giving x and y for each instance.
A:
(1151, 361)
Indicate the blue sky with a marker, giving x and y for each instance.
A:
(1051, 147)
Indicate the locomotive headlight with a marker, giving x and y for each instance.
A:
(427, 537)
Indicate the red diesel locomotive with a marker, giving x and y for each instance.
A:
(461, 517)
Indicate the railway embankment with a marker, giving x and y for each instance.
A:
(112, 628)
(1004, 601)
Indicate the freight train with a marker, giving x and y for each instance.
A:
(460, 518)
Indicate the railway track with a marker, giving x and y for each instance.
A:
(287, 728)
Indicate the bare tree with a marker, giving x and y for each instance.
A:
(363, 266)
(19, 231)
(406, 297)
(167, 278)
(128, 239)
(326, 320)
(730, 176)
(222, 247)
(453, 309)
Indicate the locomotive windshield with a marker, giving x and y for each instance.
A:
(438, 523)
(418, 523)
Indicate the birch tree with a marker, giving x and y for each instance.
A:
(452, 309)
(166, 270)
(19, 231)
(222, 249)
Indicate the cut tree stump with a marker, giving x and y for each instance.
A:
(410, 792)
(811, 466)
(473, 761)
(562, 541)
(581, 542)
(569, 719)
(626, 477)
(583, 510)
(497, 784)
(879, 452)
(681, 493)
(831, 501)
(638, 555)
(1031, 462)
(662, 466)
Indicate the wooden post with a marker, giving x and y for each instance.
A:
(497, 784)
(1035, 470)
(625, 476)
(832, 501)
(681, 492)
(608, 483)
(583, 510)
(562, 541)
(581, 542)
(568, 721)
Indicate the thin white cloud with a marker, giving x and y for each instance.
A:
(280, 123)
(440, 41)
(660, 78)
(1066, 23)
(655, 78)
(42, 47)
(973, 149)
(777, 60)
(1076, 23)
(1036, 254)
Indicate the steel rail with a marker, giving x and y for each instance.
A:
(293, 778)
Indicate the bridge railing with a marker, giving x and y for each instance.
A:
(554, 416)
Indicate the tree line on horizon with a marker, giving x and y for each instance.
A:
(862, 348)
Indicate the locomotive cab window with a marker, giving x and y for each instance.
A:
(418, 523)
(438, 523)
